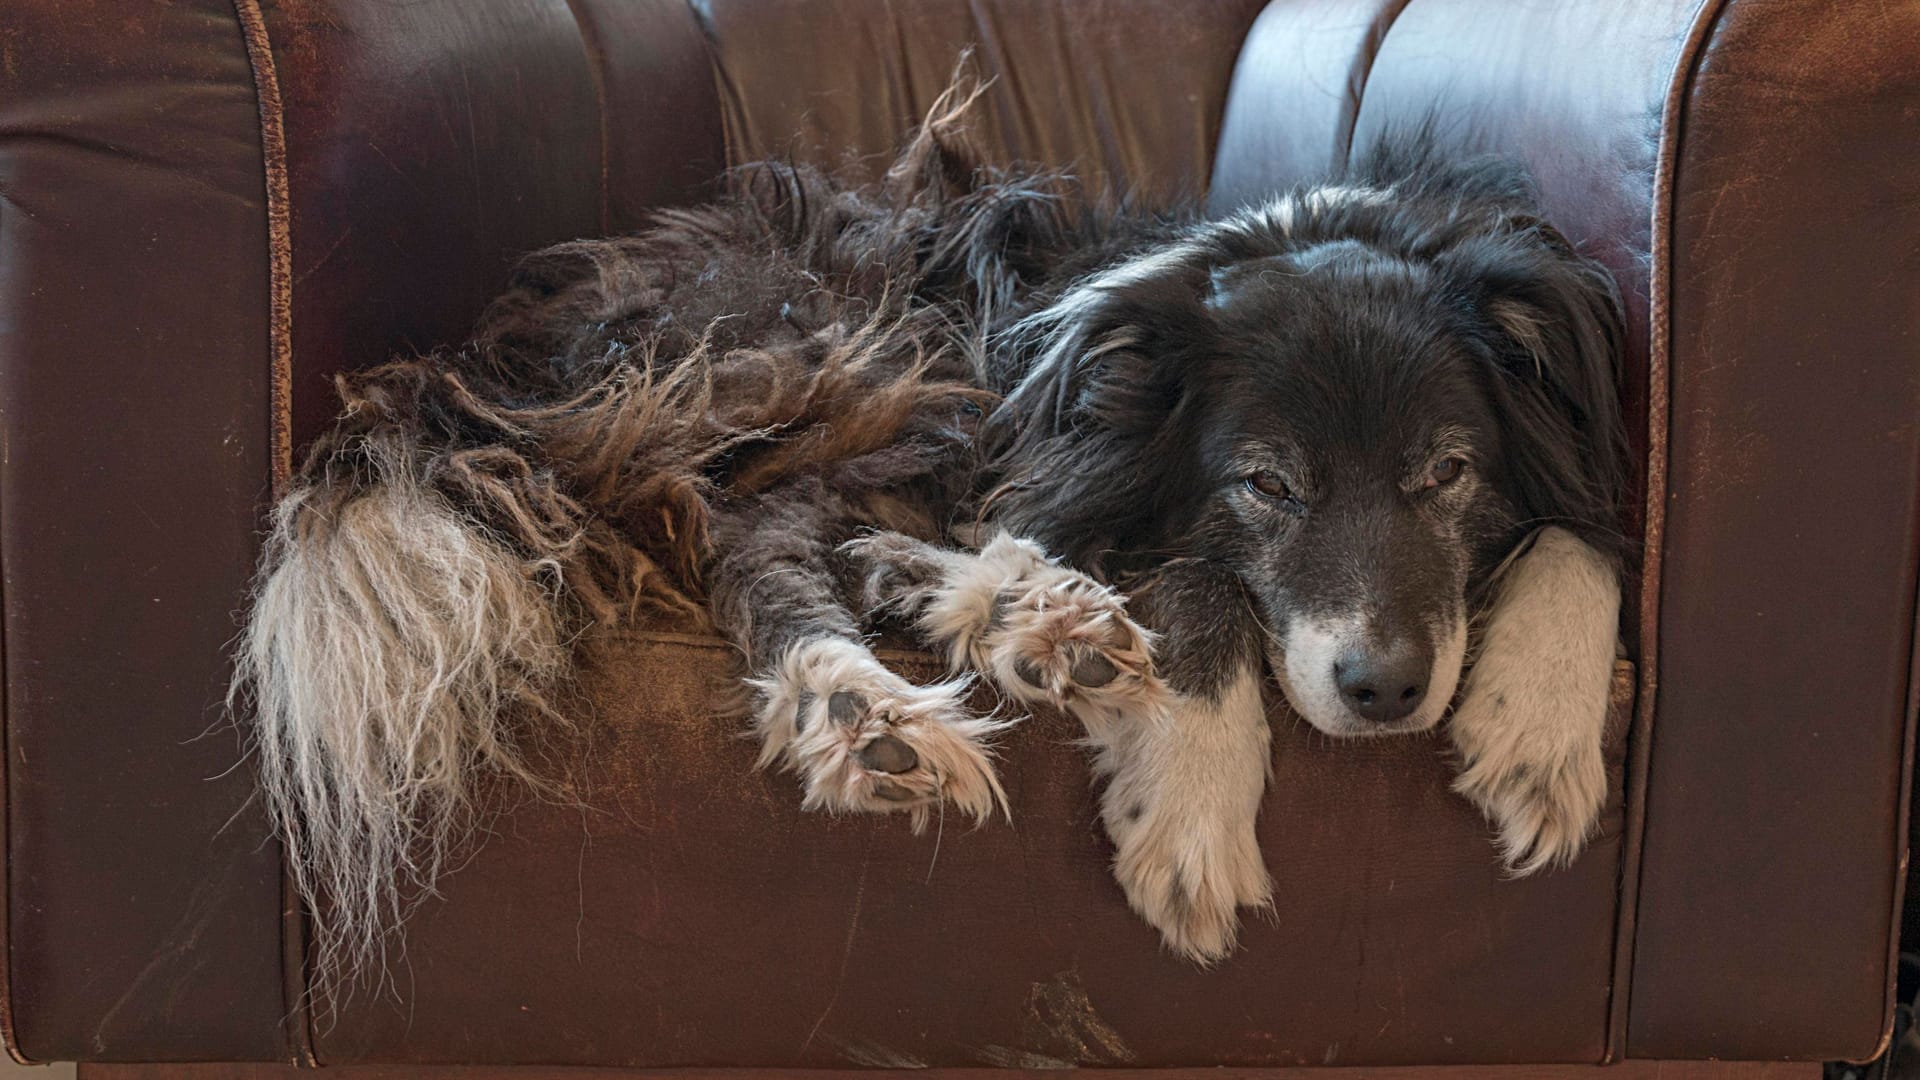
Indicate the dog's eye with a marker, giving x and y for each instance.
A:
(1445, 471)
(1270, 484)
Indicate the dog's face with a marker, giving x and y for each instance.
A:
(1357, 404)
(1353, 459)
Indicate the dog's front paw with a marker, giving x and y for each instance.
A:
(897, 575)
(1186, 873)
(1059, 637)
(1184, 794)
(861, 738)
(1533, 715)
(1541, 784)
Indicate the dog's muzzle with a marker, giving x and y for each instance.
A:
(1383, 684)
(1345, 678)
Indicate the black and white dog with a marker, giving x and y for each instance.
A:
(1117, 465)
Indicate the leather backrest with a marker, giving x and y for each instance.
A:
(1125, 93)
(438, 141)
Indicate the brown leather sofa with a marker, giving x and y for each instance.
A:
(208, 207)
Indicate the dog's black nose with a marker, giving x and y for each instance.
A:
(1386, 684)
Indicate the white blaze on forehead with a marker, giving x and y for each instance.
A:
(1281, 214)
(1326, 198)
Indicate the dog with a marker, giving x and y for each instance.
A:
(1120, 464)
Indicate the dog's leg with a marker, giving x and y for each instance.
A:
(1186, 780)
(1534, 711)
(1044, 632)
(859, 736)
(1186, 765)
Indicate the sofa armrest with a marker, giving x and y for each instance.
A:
(1761, 151)
(1746, 169)
(206, 209)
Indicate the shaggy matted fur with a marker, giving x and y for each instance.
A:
(808, 406)
(691, 419)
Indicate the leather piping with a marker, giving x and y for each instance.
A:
(1902, 851)
(1659, 417)
(273, 152)
(7, 1037)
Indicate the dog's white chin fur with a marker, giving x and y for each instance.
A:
(1303, 665)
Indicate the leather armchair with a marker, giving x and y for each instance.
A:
(208, 207)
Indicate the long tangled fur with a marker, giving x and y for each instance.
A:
(476, 510)
(697, 420)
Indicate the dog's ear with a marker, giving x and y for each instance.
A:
(1088, 439)
(1547, 323)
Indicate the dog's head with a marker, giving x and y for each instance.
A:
(1359, 399)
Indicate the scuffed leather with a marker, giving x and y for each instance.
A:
(1745, 167)
(142, 898)
(693, 915)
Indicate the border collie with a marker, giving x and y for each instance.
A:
(1121, 465)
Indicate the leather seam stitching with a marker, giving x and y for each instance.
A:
(732, 108)
(273, 149)
(1659, 421)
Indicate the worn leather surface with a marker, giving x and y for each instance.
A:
(1773, 807)
(1296, 96)
(142, 901)
(689, 914)
(1748, 175)
(427, 146)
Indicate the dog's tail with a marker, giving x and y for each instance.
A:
(389, 637)
(420, 590)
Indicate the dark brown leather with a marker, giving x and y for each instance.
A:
(437, 141)
(1125, 93)
(142, 900)
(1631, 1070)
(175, 237)
(1774, 830)
(690, 914)
(426, 146)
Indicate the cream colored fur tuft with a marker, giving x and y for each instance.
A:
(389, 638)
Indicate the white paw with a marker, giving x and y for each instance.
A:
(1044, 632)
(1185, 791)
(861, 738)
(1188, 874)
(1060, 637)
(1541, 785)
(1533, 715)
(1048, 633)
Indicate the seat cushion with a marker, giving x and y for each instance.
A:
(685, 912)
